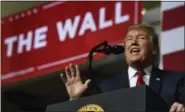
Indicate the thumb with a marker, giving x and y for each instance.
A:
(173, 107)
(87, 82)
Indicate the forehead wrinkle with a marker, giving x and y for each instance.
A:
(137, 31)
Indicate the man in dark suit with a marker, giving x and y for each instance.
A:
(141, 50)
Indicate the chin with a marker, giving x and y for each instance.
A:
(135, 60)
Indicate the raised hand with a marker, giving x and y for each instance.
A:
(73, 82)
(177, 107)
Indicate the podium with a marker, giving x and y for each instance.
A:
(137, 99)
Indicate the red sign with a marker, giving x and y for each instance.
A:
(46, 38)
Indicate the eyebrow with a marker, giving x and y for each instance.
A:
(136, 35)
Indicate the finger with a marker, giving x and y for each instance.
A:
(77, 70)
(183, 110)
(67, 73)
(87, 83)
(63, 77)
(173, 107)
(179, 108)
(72, 70)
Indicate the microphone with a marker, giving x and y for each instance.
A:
(116, 49)
(106, 49)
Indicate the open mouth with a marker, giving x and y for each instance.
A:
(134, 51)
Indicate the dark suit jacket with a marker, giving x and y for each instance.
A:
(171, 86)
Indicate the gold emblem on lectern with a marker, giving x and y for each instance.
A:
(91, 108)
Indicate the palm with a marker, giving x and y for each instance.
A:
(73, 82)
(75, 88)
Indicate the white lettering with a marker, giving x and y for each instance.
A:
(9, 42)
(68, 28)
(118, 18)
(88, 23)
(40, 37)
(102, 22)
(24, 42)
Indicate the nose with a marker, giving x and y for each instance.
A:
(134, 41)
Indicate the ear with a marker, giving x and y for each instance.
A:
(155, 50)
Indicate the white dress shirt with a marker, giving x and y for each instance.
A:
(133, 77)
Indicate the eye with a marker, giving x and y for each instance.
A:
(141, 37)
(128, 38)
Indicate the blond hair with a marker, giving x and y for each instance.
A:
(152, 34)
(148, 29)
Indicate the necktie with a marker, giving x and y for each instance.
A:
(140, 78)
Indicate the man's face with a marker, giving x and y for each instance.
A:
(138, 47)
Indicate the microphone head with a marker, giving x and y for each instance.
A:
(107, 50)
(117, 49)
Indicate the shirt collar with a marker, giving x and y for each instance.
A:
(132, 71)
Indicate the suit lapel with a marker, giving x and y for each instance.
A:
(125, 80)
(119, 82)
(155, 80)
(122, 81)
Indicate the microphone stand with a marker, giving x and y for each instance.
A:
(90, 57)
(107, 49)
(94, 49)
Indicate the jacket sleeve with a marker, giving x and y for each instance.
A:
(180, 96)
